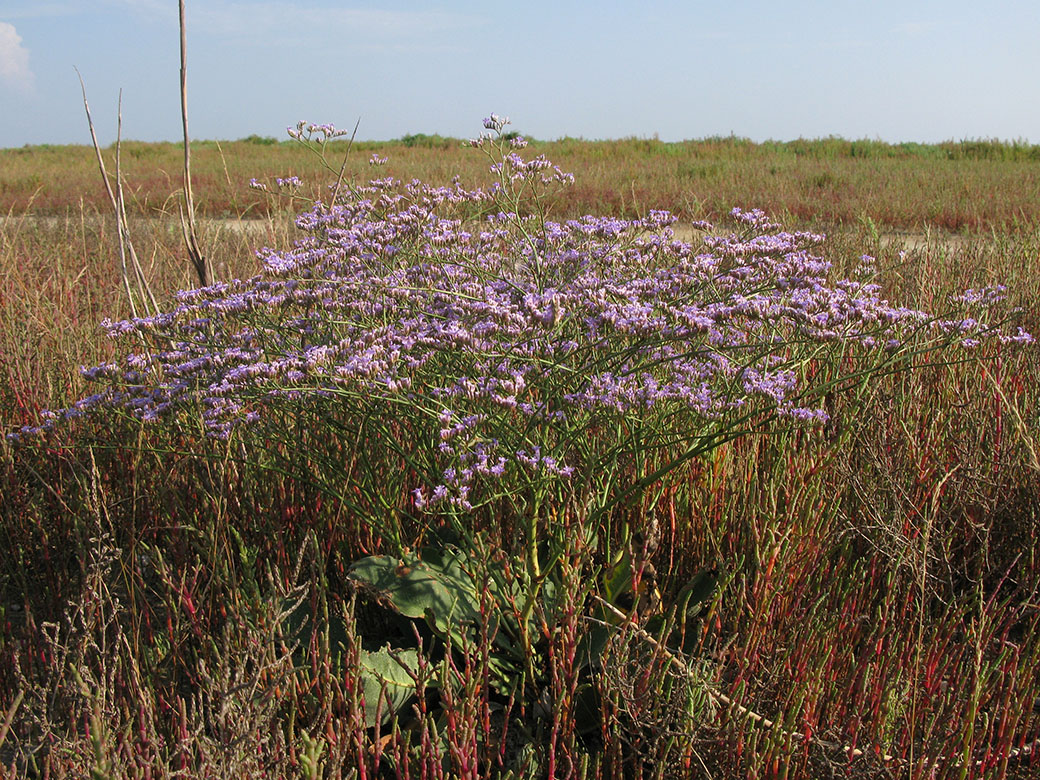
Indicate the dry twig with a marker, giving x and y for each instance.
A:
(191, 239)
(126, 247)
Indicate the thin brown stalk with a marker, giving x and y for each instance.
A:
(191, 239)
(343, 167)
(1020, 425)
(122, 231)
(122, 222)
(111, 196)
(726, 701)
(223, 162)
(1023, 752)
(6, 727)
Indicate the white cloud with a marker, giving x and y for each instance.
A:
(14, 59)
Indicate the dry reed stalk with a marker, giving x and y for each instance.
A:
(126, 246)
(142, 283)
(1023, 752)
(724, 700)
(343, 166)
(9, 718)
(1021, 427)
(191, 239)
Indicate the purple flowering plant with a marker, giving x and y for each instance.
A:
(487, 358)
(453, 357)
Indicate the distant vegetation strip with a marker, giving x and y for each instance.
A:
(965, 186)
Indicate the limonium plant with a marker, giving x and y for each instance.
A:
(512, 363)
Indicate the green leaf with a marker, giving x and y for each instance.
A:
(696, 594)
(435, 588)
(301, 623)
(617, 579)
(690, 603)
(592, 644)
(387, 680)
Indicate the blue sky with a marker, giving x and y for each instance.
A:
(900, 70)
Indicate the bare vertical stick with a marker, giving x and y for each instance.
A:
(122, 231)
(121, 221)
(191, 241)
(10, 716)
(111, 196)
(343, 167)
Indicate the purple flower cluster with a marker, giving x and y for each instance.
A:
(985, 296)
(495, 123)
(511, 334)
(306, 131)
(517, 169)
